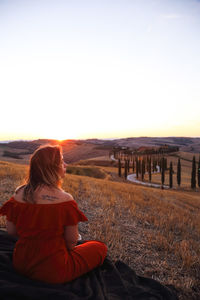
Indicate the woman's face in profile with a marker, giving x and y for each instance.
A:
(63, 167)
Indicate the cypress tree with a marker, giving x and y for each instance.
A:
(137, 167)
(144, 165)
(154, 165)
(149, 169)
(179, 172)
(147, 163)
(119, 168)
(163, 171)
(143, 169)
(128, 165)
(171, 175)
(125, 169)
(193, 175)
(199, 172)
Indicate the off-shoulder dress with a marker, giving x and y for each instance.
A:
(40, 252)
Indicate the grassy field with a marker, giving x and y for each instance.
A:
(156, 232)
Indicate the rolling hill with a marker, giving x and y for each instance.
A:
(76, 150)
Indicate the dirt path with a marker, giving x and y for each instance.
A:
(133, 178)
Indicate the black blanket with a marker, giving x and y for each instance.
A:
(108, 282)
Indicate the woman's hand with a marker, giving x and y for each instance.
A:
(71, 236)
(11, 228)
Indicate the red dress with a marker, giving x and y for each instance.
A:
(40, 252)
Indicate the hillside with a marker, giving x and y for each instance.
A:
(72, 150)
(75, 150)
(185, 144)
(156, 232)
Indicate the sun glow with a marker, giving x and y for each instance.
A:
(63, 79)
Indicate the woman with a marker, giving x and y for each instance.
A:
(45, 218)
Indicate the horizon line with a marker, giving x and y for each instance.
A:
(94, 138)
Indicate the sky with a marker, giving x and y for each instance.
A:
(77, 69)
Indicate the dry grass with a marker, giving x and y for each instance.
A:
(156, 232)
(11, 175)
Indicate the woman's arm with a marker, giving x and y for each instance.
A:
(11, 228)
(71, 236)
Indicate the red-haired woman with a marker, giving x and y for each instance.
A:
(45, 218)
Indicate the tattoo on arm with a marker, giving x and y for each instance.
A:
(48, 197)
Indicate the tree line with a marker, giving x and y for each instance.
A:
(151, 164)
(123, 152)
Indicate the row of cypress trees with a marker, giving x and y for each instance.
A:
(139, 167)
(195, 174)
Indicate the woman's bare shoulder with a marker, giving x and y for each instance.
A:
(18, 194)
(66, 196)
(45, 195)
(19, 188)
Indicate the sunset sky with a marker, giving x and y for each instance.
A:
(99, 68)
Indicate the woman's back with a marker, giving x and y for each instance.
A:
(46, 218)
(41, 252)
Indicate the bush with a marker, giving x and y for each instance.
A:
(82, 171)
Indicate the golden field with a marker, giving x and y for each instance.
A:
(156, 232)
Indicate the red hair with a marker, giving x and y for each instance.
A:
(44, 169)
